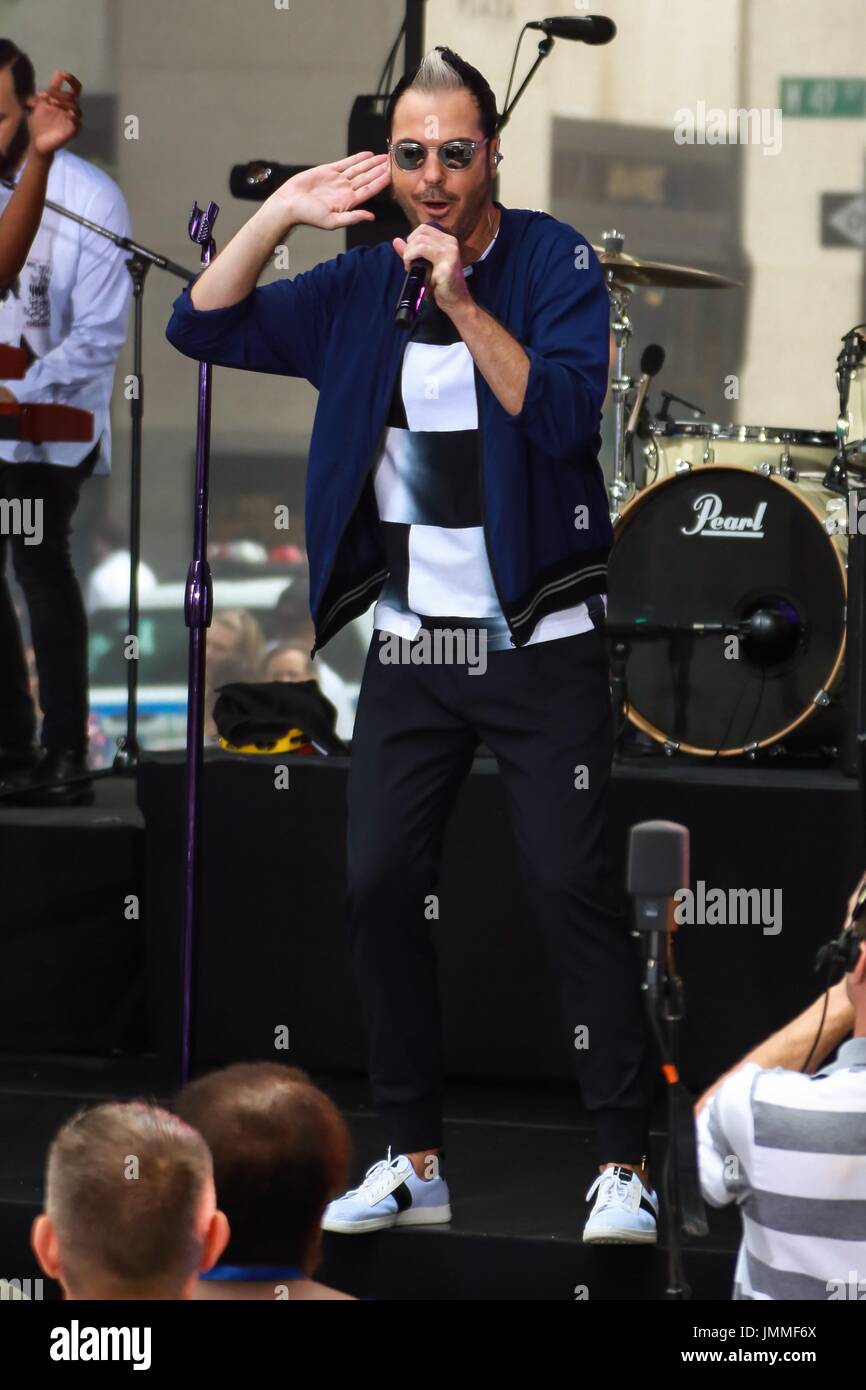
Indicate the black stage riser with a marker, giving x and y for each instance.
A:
(272, 941)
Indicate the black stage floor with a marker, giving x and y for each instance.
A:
(519, 1164)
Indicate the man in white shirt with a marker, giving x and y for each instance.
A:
(68, 309)
(788, 1144)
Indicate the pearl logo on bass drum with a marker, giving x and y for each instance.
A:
(711, 521)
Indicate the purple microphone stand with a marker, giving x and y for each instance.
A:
(197, 611)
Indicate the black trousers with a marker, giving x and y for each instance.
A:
(58, 624)
(544, 712)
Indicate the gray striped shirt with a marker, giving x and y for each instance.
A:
(790, 1149)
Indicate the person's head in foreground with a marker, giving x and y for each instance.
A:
(280, 1153)
(441, 124)
(17, 88)
(130, 1206)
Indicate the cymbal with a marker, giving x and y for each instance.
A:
(630, 270)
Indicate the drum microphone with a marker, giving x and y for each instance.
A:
(651, 363)
(414, 288)
(592, 28)
(849, 358)
(766, 628)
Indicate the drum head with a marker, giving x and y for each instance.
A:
(726, 545)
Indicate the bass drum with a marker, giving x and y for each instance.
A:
(724, 545)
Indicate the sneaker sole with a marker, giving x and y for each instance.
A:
(622, 1237)
(359, 1228)
(424, 1216)
(421, 1216)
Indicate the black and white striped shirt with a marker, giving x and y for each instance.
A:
(427, 491)
(790, 1149)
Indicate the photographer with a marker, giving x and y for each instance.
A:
(789, 1144)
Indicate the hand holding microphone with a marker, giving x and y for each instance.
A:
(431, 256)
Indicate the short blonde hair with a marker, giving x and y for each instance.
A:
(127, 1228)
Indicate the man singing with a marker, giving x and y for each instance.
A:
(453, 478)
(68, 309)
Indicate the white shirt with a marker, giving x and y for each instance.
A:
(790, 1149)
(71, 304)
(438, 554)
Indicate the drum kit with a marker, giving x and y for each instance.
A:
(727, 650)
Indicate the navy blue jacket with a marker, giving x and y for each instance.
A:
(545, 508)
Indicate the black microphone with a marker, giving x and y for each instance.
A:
(591, 28)
(658, 867)
(651, 363)
(414, 288)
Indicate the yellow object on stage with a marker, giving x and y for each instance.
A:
(292, 742)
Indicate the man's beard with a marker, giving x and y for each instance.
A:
(11, 156)
(463, 224)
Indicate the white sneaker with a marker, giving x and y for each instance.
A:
(625, 1211)
(391, 1194)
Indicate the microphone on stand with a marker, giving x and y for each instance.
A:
(591, 28)
(658, 866)
(651, 363)
(414, 288)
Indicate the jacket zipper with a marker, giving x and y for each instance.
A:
(373, 457)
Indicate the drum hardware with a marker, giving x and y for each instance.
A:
(619, 296)
(682, 466)
(622, 274)
(849, 359)
(786, 468)
(821, 699)
(667, 397)
(848, 363)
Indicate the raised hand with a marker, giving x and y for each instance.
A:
(54, 114)
(330, 195)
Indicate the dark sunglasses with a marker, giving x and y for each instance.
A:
(454, 154)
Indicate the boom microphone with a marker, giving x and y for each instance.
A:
(591, 28)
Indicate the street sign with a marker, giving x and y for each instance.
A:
(843, 219)
(833, 97)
